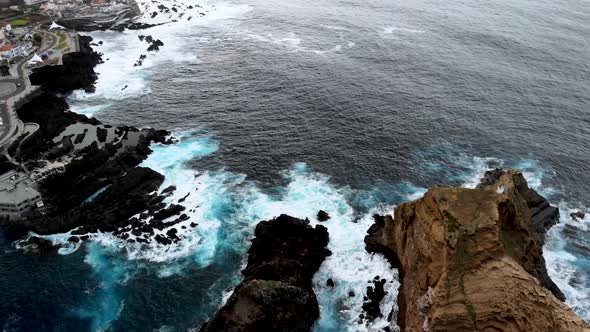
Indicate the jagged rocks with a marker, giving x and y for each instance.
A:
(578, 215)
(471, 259)
(375, 294)
(128, 195)
(323, 216)
(38, 245)
(490, 177)
(276, 294)
(330, 283)
(155, 45)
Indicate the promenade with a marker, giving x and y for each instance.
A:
(15, 90)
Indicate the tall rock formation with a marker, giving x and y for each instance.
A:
(276, 294)
(471, 259)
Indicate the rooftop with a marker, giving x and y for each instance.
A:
(16, 188)
(7, 47)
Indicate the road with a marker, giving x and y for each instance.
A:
(10, 122)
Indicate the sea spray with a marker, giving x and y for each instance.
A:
(226, 207)
(119, 77)
(105, 301)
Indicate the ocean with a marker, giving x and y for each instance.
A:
(341, 105)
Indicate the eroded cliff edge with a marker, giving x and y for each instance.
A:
(276, 293)
(471, 259)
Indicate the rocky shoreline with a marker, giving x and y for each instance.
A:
(87, 171)
(471, 259)
(276, 293)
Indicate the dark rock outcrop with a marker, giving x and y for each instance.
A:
(276, 294)
(375, 294)
(471, 259)
(323, 215)
(490, 177)
(38, 245)
(107, 164)
(578, 215)
(77, 71)
(126, 196)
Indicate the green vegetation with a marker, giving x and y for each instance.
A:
(62, 36)
(512, 244)
(62, 41)
(472, 314)
(448, 287)
(18, 23)
(451, 223)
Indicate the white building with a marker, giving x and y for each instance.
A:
(17, 195)
(12, 51)
(34, 2)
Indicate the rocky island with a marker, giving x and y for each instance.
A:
(471, 259)
(276, 293)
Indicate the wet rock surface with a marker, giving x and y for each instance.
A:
(471, 259)
(87, 172)
(375, 293)
(323, 216)
(276, 294)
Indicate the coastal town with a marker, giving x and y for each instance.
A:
(33, 34)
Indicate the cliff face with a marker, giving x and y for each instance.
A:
(276, 294)
(471, 259)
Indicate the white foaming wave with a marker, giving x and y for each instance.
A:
(391, 29)
(59, 239)
(89, 110)
(335, 27)
(350, 266)
(120, 79)
(290, 42)
(564, 267)
(534, 174)
(477, 166)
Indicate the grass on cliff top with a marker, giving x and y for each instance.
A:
(18, 23)
(62, 36)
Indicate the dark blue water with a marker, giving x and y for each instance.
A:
(377, 99)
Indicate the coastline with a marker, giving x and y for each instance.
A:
(153, 249)
(70, 167)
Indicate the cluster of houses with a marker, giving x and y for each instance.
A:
(79, 8)
(14, 45)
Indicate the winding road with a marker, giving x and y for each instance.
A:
(11, 126)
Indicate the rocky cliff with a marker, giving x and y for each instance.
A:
(471, 259)
(276, 294)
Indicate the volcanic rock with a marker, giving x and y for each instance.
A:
(471, 259)
(578, 215)
(276, 294)
(77, 71)
(375, 294)
(323, 215)
(490, 177)
(38, 245)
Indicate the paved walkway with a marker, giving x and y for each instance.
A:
(12, 127)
